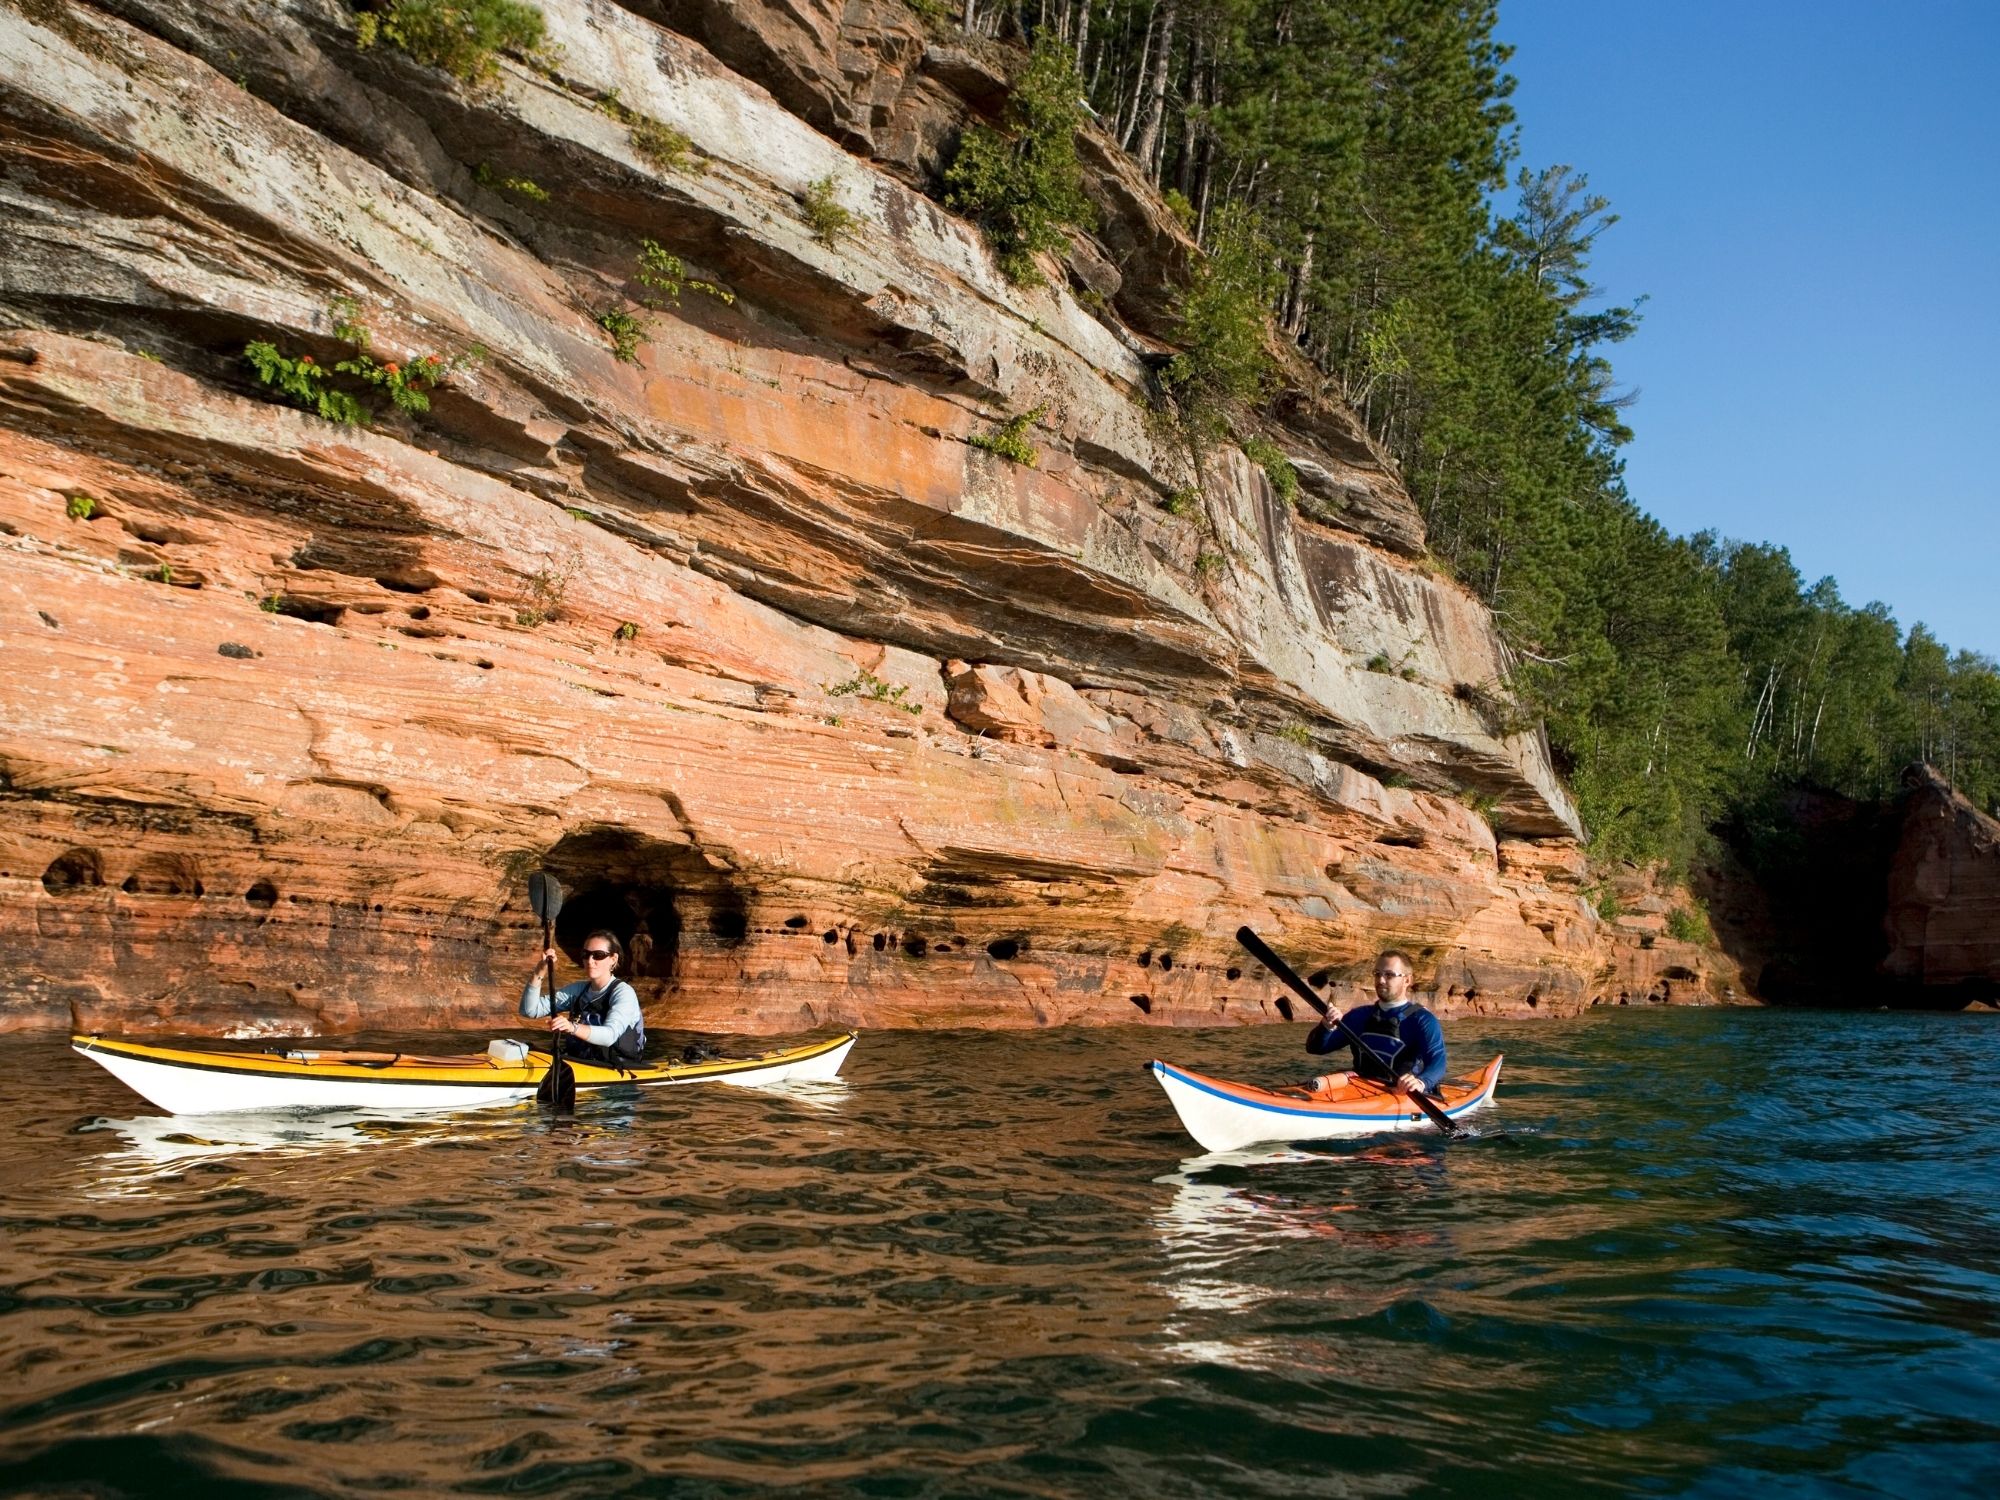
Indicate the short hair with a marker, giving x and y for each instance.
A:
(1409, 964)
(611, 939)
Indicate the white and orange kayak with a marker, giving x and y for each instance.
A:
(197, 1081)
(1225, 1116)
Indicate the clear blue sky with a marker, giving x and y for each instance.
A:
(1810, 192)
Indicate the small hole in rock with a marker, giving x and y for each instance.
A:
(795, 923)
(832, 935)
(1146, 960)
(880, 942)
(1144, 1002)
(1233, 973)
(1004, 948)
(263, 895)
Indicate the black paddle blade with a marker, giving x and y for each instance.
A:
(545, 895)
(1261, 951)
(558, 1088)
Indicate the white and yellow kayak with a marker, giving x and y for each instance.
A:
(195, 1081)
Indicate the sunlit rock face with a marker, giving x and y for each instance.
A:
(840, 716)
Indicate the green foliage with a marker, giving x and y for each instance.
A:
(1689, 924)
(1380, 662)
(1023, 184)
(464, 37)
(304, 382)
(340, 393)
(1208, 564)
(521, 187)
(1297, 733)
(658, 143)
(829, 221)
(165, 573)
(662, 145)
(1277, 468)
(866, 684)
(1010, 438)
(1184, 502)
(665, 276)
(272, 604)
(628, 630)
(1484, 803)
(1224, 361)
(626, 333)
(81, 507)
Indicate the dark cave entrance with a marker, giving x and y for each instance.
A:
(658, 897)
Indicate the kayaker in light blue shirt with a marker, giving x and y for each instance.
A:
(1403, 1040)
(601, 1012)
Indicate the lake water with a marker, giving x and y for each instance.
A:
(1694, 1252)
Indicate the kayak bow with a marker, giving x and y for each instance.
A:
(1224, 1116)
(195, 1081)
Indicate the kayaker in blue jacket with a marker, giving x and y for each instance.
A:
(1403, 1040)
(600, 1013)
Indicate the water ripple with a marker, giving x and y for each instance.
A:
(1689, 1254)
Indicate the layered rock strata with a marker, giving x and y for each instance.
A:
(840, 716)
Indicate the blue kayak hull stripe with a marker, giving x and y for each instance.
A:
(1309, 1114)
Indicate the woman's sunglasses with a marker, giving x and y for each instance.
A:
(593, 954)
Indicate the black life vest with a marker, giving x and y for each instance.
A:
(593, 1010)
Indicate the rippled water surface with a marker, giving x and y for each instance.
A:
(1690, 1253)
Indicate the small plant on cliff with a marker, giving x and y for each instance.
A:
(1208, 564)
(829, 221)
(1484, 803)
(521, 187)
(866, 684)
(306, 383)
(1010, 438)
(464, 37)
(81, 507)
(1380, 662)
(1183, 503)
(660, 144)
(627, 631)
(1298, 733)
(548, 587)
(626, 333)
(1023, 183)
(665, 274)
(1277, 468)
(1689, 924)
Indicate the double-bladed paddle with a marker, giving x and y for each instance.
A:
(1263, 954)
(558, 1086)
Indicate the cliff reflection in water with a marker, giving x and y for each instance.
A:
(990, 1265)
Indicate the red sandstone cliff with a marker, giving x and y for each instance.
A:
(1943, 911)
(745, 641)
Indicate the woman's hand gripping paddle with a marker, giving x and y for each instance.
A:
(558, 1086)
(1262, 953)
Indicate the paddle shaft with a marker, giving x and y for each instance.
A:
(558, 1085)
(1262, 953)
(549, 986)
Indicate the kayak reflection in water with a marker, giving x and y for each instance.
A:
(1403, 1041)
(599, 1014)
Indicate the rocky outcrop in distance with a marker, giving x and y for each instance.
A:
(838, 715)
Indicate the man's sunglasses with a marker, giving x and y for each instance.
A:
(592, 954)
